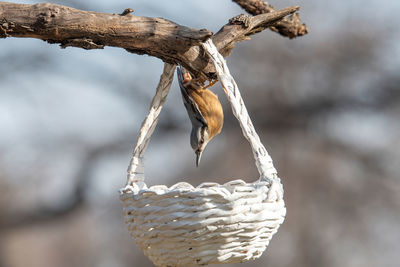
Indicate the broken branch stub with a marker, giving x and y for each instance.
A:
(289, 27)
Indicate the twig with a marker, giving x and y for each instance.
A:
(289, 27)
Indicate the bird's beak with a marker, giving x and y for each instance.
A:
(198, 157)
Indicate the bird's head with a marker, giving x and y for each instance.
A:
(199, 139)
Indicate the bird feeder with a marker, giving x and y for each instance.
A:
(184, 225)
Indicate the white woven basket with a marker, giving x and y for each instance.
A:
(184, 225)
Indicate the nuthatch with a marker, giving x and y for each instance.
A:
(204, 110)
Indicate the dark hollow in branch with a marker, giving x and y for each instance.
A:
(157, 37)
(289, 27)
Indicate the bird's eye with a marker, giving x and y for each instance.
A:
(203, 132)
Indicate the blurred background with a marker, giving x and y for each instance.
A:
(325, 105)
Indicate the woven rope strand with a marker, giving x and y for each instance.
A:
(136, 168)
(263, 159)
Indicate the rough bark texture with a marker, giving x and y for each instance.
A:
(289, 27)
(157, 37)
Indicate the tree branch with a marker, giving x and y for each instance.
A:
(238, 29)
(289, 27)
(157, 37)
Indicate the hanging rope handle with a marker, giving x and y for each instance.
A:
(263, 159)
(136, 168)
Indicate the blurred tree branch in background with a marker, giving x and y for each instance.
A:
(76, 200)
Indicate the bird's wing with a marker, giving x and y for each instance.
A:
(192, 108)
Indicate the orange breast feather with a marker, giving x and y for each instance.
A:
(211, 109)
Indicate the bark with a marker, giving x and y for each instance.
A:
(157, 37)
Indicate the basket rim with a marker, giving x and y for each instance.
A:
(226, 190)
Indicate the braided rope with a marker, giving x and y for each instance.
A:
(136, 168)
(263, 159)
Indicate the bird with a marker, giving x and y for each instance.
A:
(204, 110)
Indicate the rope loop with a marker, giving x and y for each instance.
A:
(262, 159)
